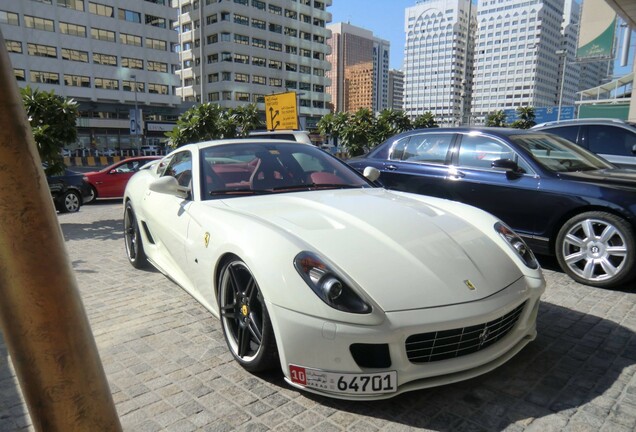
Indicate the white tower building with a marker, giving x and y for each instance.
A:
(438, 59)
(516, 60)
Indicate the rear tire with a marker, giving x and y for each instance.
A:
(132, 236)
(92, 197)
(597, 249)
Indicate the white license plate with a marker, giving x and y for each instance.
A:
(385, 382)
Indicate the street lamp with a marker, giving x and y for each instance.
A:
(137, 143)
(563, 53)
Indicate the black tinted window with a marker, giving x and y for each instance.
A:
(611, 140)
(567, 132)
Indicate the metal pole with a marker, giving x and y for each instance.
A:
(565, 63)
(137, 123)
(42, 317)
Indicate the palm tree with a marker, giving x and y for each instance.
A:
(426, 120)
(496, 119)
(525, 118)
(389, 123)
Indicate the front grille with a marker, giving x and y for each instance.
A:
(446, 344)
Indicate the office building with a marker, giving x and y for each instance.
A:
(236, 52)
(396, 90)
(516, 55)
(360, 69)
(438, 59)
(108, 55)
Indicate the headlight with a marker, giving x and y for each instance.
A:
(327, 285)
(518, 245)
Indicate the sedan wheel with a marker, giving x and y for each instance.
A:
(71, 202)
(246, 325)
(132, 236)
(597, 249)
(92, 196)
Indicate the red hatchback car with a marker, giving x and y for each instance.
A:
(110, 182)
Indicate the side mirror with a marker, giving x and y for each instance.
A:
(634, 149)
(166, 185)
(509, 166)
(371, 173)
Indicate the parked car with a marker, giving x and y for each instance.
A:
(561, 198)
(355, 291)
(613, 139)
(111, 181)
(69, 190)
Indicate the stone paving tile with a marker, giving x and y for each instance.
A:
(169, 369)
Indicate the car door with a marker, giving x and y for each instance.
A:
(418, 163)
(115, 182)
(515, 198)
(170, 229)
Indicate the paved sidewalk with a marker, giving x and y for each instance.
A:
(169, 369)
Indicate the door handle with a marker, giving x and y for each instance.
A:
(391, 167)
(456, 175)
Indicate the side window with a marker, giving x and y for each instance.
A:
(611, 140)
(428, 148)
(397, 153)
(567, 132)
(180, 167)
(480, 152)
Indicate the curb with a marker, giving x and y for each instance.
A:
(92, 161)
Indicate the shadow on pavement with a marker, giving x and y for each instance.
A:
(109, 229)
(575, 359)
(13, 415)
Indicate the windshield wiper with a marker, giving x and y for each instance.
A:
(310, 186)
(237, 191)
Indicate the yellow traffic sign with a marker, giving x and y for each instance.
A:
(281, 111)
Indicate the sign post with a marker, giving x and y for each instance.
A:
(281, 111)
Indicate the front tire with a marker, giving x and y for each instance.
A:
(132, 236)
(597, 249)
(70, 202)
(244, 318)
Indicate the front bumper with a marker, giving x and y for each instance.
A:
(324, 345)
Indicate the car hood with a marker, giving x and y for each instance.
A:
(613, 176)
(404, 251)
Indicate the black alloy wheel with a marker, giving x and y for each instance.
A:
(244, 318)
(134, 244)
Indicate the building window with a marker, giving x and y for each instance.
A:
(304, 86)
(242, 96)
(155, 66)
(241, 58)
(9, 18)
(106, 84)
(257, 79)
(214, 77)
(211, 19)
(291, 14)
(226, 56)
(289, 84)
(19, 74)
(259, 98)
(74, 55)
(240, 39)
(305, 52)
(259, 61)
(72, 4)
(72, 29)
(304, 69)
(77, 81)
(13, 46)
(132, 63)
(156, 44)
(291, 67)
(130, 16)
(213, 97)
(227, 95)
(275, 64)
(128, 39)
(275, 46)
(41, 50)
(103, 35)
(242, 20)
(213, 58)
(241, 77)
(212, 39)
(258, 4)
(101, 10)
(157, 88)
(258, 43)
(38, 23)
(155, 21)
(276, 10)
(105, 59)
(259, 24)
(291, 32)
(275, 28)
(226, 76)
(242, 2)
(276, 82)
(129, 86)
(45, 77)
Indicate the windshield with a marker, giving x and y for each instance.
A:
(558, 154)
(263, 168)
